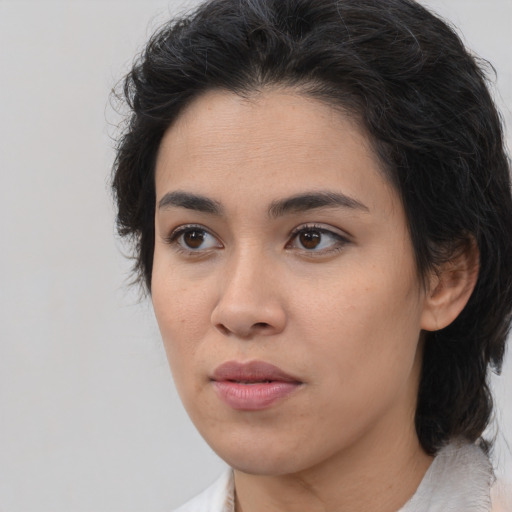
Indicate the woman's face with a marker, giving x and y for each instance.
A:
(284, 282)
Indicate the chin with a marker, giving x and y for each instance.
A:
(267, 464)
(270, 456)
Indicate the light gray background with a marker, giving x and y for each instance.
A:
(89, 418)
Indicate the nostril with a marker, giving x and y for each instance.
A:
(261, 325)
(223, 329)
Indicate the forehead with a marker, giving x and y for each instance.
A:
(272, 143)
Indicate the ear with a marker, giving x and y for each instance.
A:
(450, 288)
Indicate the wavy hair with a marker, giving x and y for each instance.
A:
(423, 101)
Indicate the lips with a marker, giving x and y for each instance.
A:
(252, 386)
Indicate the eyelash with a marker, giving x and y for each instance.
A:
(341, 241)
(173, 239)
(339, 245)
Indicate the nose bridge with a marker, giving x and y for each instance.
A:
(246, 269)
(248, 300)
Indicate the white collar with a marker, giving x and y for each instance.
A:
(459, 479)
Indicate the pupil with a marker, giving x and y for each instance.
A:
(310, 239)
(193, 239)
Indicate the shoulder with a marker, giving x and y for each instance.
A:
(219, 497)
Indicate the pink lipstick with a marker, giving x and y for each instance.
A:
(252, 386)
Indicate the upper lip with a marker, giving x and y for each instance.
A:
(252, 371)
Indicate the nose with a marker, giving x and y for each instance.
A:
(249, 303)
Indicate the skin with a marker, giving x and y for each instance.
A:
(344, 316)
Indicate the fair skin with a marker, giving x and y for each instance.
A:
(323, 286)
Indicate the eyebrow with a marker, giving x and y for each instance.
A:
(190, 202)
(279, 208)
(311, 201)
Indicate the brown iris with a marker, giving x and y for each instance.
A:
(310, 239)
(193, 238)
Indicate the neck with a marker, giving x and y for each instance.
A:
(380, 472)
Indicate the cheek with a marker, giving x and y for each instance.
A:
(364, 326)
(183, 319)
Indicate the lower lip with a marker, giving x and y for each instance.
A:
(253, 397)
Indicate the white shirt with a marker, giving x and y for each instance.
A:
(458, 480)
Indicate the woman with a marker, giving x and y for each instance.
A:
(320, 201)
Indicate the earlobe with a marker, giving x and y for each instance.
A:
(450, 288)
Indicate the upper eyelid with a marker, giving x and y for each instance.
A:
(177, 232)
(173, 239)
(325, 228)
(184, 227)
(338, 240)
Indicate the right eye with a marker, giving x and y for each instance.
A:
(193, 239)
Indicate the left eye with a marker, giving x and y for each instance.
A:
(315, 239)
